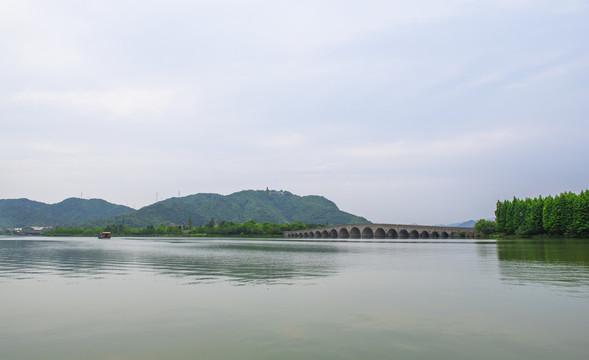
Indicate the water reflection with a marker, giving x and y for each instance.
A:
(190, 261)
(561, 264)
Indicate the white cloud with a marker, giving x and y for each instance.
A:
(48, 149)
(433, 150)
(552, 74)
(273, 141)
(130, 103)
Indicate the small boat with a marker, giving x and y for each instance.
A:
(104, 235)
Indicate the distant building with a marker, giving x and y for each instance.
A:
(29, 230)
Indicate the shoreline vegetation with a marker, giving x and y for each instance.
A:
(563, 216)
(223, 228)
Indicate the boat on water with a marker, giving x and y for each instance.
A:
(104, 235)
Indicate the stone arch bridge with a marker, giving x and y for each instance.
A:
(383, 231)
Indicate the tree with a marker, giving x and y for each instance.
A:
(581, 214)
(225, 227)
(161, 230)
(510, 225)
(519, 214)
(532, 224)
(561, 216)
(501, 215)
(485, 227)
(548, 213)
(249, 227)
(174, 230)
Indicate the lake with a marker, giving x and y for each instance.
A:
(174, 298)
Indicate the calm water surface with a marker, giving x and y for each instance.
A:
(84, 298)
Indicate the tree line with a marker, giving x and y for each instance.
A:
(566, 214)
(222, 228)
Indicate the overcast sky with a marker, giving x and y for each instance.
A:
(424, 111)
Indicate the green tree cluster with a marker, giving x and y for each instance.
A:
(566, 214)
(115, 230)
(73, 231)
(249, 228)
(485, 227)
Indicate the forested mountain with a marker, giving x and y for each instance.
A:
(273, 206)
(69, 212)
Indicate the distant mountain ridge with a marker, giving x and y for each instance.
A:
(273, 206)
(469, 223)
(69, 212)
(258, 205)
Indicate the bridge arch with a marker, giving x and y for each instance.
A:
(392, 234)
(435, 235)
(367, 233)
(343, 233)
(414, 234)
(424, 235)
(380, 234)
(333, 234)
(404, 234)
(324, 234)
(355, 233)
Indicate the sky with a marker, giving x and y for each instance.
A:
(425, 112)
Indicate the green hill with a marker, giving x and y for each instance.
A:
(273, 206)
(22, 212)
(69, 212)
